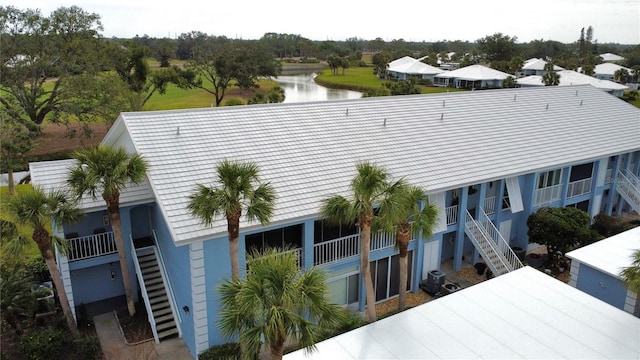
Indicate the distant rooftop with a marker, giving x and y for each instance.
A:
(475, 72)
(570, 78)
(611, 57)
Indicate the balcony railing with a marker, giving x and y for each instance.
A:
(90, 246)
(490, 205)
(336, 249)
(580, 187)
(548, 194)
(452, 215)
(382, 241)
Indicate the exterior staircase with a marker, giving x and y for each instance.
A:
(153, 285)
(495, 251)
(628, 186)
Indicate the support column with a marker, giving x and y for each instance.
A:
(462, 215)
(199, 296)
(307, 244)
(481, 197)
(614, 181)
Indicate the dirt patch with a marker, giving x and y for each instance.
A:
(390, 307)
(56, 138)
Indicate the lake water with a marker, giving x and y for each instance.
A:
(302, 88)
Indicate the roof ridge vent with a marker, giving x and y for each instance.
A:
(576, 92)
(385, 122)
(443, 103)
(347, 112)
(547, 106)
(441, 116)
(581, 102)
(178, 130)
(514, 97)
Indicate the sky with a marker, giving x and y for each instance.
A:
(613, 21)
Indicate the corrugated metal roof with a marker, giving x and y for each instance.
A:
(611, 57)
(610, 255)
(521, 315)
(538, 64)
(475, 72)
(609, 69)
(308, 151)
(52, 175)
(409, 65)
(570, 78)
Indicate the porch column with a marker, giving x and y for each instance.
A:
(594, 205)
(501, 185)
(614, 181)
(621, 202)
(481, 197)
(307, 244)
(199, 296)
(566, 176)
(419, 256)
(462, 215)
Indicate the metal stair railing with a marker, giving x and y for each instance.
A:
(628, 186)
(167, 283)
(498, 239)
(481, 240)
(143, 289)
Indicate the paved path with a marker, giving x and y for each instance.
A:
(114, 346)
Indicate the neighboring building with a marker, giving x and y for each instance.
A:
(606, 71)
(536, 67)
(522, 315)
(609, 57)
(471, 77)
(572, 78)
(488, 159)
(409, 68)
(595, 269)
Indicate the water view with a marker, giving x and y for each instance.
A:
(302, 88)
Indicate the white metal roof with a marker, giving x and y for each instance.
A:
(609, 69)
(521, 315)
(610, 255)
(611, 57)
(570, 78)
(475, 72)
(52, 175)
(409, 65)
(538, 64)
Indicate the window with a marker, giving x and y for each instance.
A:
(549, 187)
(325, 231)
(290, 236)
(549, 178)
(344, 286)
(506, 204)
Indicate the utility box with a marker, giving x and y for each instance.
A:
(449, 288)
(433, 283)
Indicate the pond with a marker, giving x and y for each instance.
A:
(303, 88)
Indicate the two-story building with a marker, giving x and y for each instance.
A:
(488, 159)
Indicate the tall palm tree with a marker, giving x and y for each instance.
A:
(107, 170)
(277, 302)
(237, 189)
(405, 218)
(39, 210)
(621, 75)
(631, 275)
(369, 187)
(550, 78)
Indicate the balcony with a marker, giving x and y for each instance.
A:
(337, 249)
(91, 246)
(579, 187)
(548, 194)
(452, 215)
(490, 205)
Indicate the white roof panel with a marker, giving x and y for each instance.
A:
(611, 57)
(52, 175)
(610, 255)
(308, 151)
(538, 64)
(475, 72)
(571, 78)
(523, 314)
(609, 69)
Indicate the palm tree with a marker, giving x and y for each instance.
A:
(276, 302)
(621, 75)
(38, 210)
(107, 170)
(550, 78)
(369, 187)
(631, 275)
(237, 189)
(405, 218)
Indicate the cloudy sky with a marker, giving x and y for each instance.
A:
(615, 21)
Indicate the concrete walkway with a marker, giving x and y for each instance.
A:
(114, 346)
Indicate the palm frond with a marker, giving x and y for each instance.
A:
(631, 274)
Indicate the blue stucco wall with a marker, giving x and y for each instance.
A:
(602, 286)
(85, 280)
(217, 269)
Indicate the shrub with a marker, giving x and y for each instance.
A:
(38, 270)
(228, 351)
(233, 102)
(43, 343)
(87, 347)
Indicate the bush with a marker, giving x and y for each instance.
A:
(228, 351)
(87, 347)
(233, 102)
(38, 270)
(43, 343)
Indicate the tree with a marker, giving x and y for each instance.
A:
(39, 210)
(621, 75)
(381, 62)
(509, 82)
(401, 214)
(276, 302)
(497, 47)
(369, 187)
(550, 78)
(106, 171)
(631, 274)
(15, 143)
(236, 190)
(402, 87)
(560, 229)
(38, 50)
(222, 63)
(16, 296)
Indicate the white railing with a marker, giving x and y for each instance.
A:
(490, 205)
(336, 249)
(628, 185)
(90, 246)
(143, 289)
(548, 194)
(452, 215)
(485, 246)
(382, 240)
(499, 240)
(167, 282)
(579, 187)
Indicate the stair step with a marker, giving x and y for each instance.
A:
(150, 269)
(151, 277)
(165, 326)
(163, 318)
(167, 333)
(154, 287)
(157, 293)
(160, 311)
(147, 264)
(158, 299)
